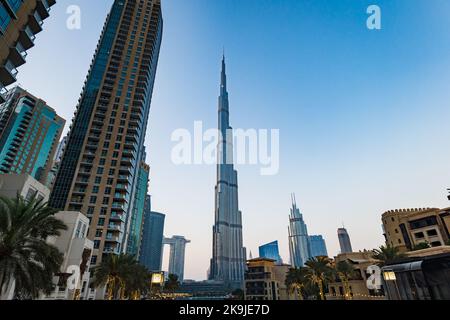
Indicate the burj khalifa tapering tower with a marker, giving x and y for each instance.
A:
(229, 256)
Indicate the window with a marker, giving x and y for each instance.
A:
(94, 260)
(96, 244)
(432, 233)
(419, 235)
(98, 233)
(101, 222)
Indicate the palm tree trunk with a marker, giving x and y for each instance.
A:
(322, 295)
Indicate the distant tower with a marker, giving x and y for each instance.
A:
(298, 237)
(177, 254)
(344, 241)
(152, 238)
(317, 246)
(270, 251)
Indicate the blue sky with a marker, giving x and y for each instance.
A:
(362, 114)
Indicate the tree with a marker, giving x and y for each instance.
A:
(26, 259)
(387, 255)
(319, 272)
(115, 272)
(345, 272)
(172, 283)
(137, 282)
(421, 246)
(296, 281)
(238, 294)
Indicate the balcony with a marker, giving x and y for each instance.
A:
(117, 217)
(43, 8)
(8, 73)
(17, 54)
(26, 38)
(114, 227)
(111, 250)
(115, 239)
(35, 22)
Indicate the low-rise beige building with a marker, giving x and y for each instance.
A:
(357, 284)
(24, 185)
(405, 229)
(73, 281)
(265, 280)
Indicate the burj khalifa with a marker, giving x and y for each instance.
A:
(229, 255)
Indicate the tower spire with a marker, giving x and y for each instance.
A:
(223, 82)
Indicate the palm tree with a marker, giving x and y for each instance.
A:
(114, 272)
(319, 272)
(387, 255)
(345, 272)
(137, 282)
(172, 283)
(296, 281)
(26, 259)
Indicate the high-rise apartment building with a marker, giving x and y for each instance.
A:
(150, 254)
(99, 171)
(317, 246)
(298, 237)
(20, 21)
(29, 135)
(344, 241)
(229, 255)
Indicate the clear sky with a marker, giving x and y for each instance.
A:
(363, 115)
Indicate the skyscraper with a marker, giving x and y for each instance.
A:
(137, 216)
(150, 254)
(229, 256)
(298, 237)
(317, 246)
(29, 135)
(98, 175)
(270, 251)
(344, 240)
(20, 21)
(177, 255)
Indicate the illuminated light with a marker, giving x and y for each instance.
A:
(389, 276)
(157, 278)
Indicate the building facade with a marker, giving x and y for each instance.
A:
(318, 246)
(99, 171)
(137, 217)
(357, 282)
(265, 280)
(20, 21)
(298, 237)
(229, 256)
(344, 241)
(77, 251)
(177, 255)
(421, 275)
(271, 251)
(29, 134)
(151, 251)
(405, 229)
(24, 185)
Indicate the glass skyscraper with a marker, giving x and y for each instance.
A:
(29, 135)
(317, 246)
(99, 171)
(137, 216)
(270, 251)
(150, 254)
(298, 237)
(344, 240)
